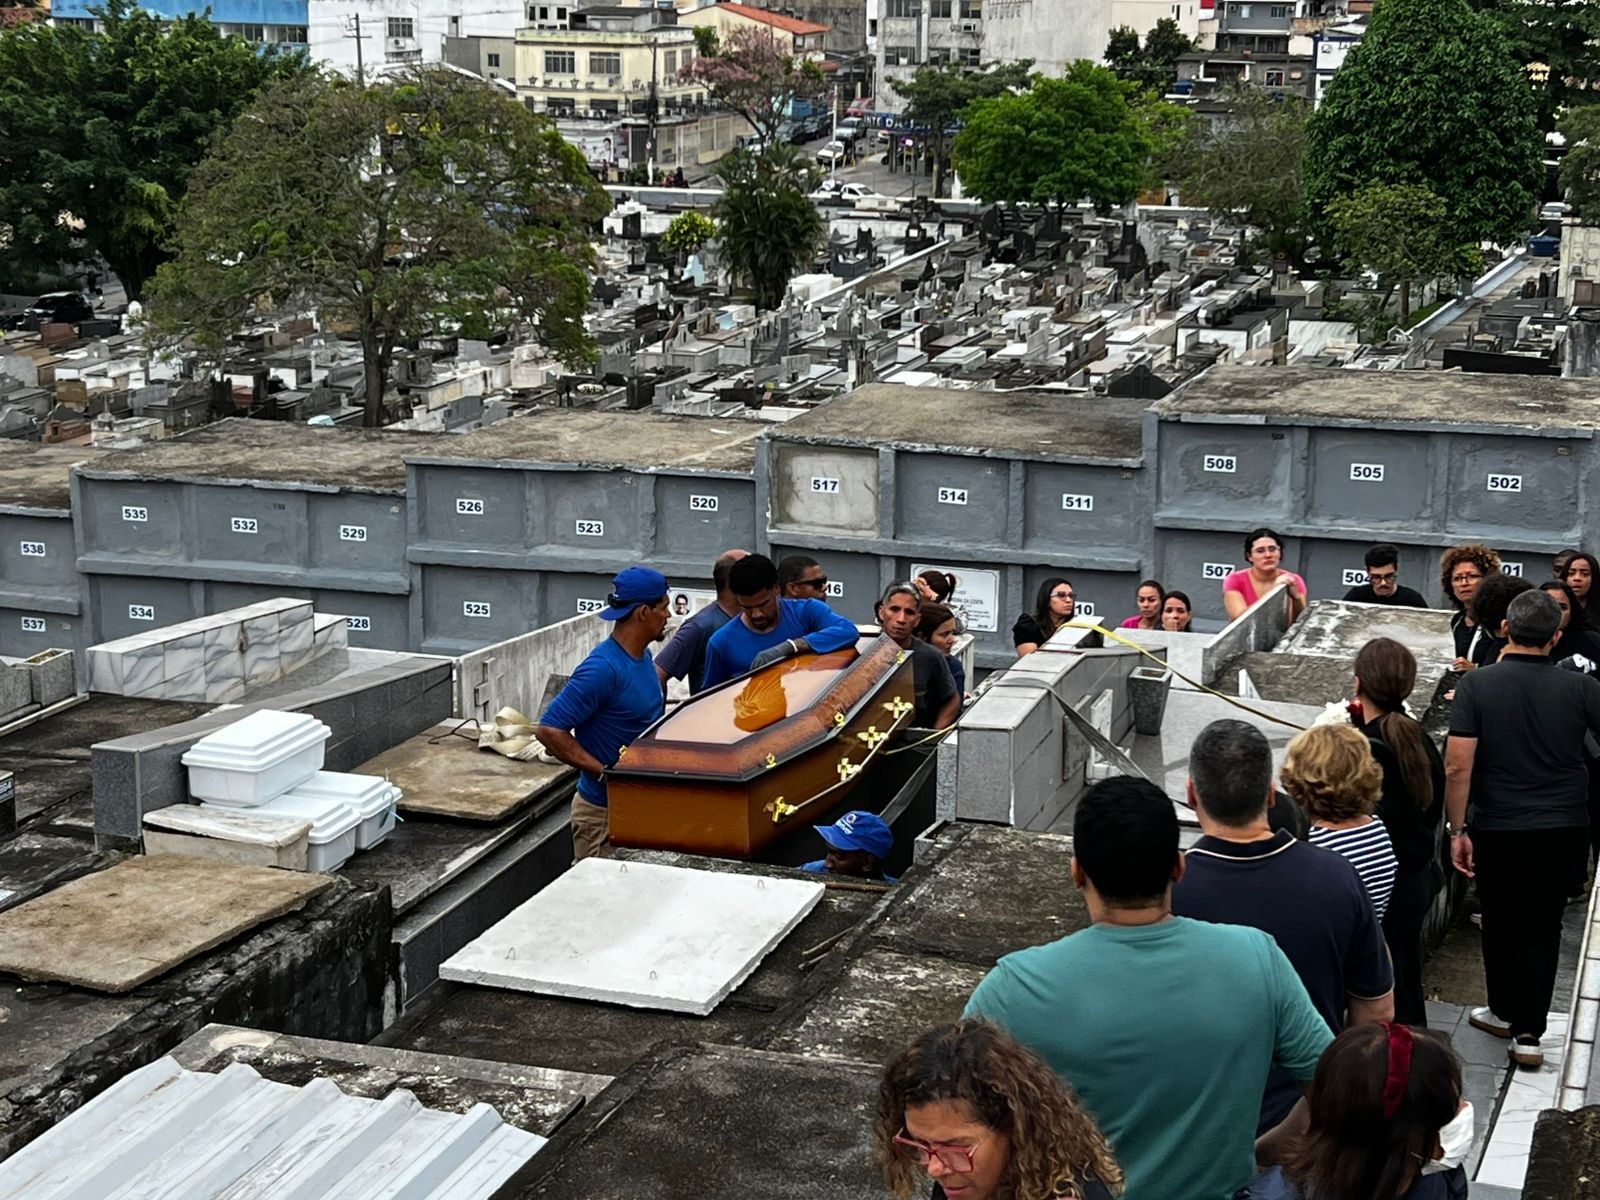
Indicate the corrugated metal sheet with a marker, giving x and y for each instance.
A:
(164, 1133)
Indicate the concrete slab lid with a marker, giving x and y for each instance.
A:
(229, 824)
(118, 928)
(638, 934)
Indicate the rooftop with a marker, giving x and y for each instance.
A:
(586, 437)
(1058, 425)
(1431, 399)
(33, 476)
(776, 20)
(362, 460)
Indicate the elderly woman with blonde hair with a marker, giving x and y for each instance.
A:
(1330, 771)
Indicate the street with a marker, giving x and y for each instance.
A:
(872, 172)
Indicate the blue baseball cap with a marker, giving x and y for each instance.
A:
(632, 587)
(859, 831)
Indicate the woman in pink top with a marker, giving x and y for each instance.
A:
(1149, 598)
(1263, 548)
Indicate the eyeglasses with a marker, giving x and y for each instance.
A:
(1466, 577)
(819, 582)
(1061, 595)
(1383, 576)
(953, 1158)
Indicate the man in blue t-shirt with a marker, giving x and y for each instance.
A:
(613, 697)
(770, 628)
(1165, 1027)
(1309, 899)
(685, 654)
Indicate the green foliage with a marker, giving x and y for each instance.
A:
(1401, 233)
(938, 96)
(1063, 141)
(688, 232)
(407, 207)
(104, 130)
(1246, 166)
(1155, 66)
(705, 40)
(1580, 168)
(1559, 40)
(769, 228)
(1431, 96)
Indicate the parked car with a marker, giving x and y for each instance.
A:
(833, 153)
(52, 308)
(836, 191)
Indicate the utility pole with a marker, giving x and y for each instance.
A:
(352, 28)
(651, 144)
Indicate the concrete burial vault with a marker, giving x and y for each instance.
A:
(638, 934)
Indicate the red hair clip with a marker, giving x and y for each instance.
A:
(1399, 1071)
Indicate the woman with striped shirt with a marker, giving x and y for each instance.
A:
(1330, 770)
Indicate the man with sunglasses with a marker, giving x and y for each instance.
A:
(769, 628)
(801, 577)
(613, 697)
(1383, 581)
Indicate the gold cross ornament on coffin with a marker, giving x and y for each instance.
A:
(871, 737)
(780, 810)
(847, 769)
(897, 708)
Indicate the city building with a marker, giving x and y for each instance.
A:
(803, 38)
(907, 34)
(490, 57)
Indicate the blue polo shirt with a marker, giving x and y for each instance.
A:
(734, 647)
(685, 654)
(611, 699)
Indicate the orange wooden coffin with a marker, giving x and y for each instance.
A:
(739, 766)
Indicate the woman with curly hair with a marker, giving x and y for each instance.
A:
(1462, 570)
(1387, 1119)
(969, 1108)
(1329, 770)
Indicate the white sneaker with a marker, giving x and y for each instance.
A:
(1525, 1052)
(1485, 1019)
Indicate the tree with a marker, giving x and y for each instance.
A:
(1060, 142)
(937, 96)
(757, 77)
(770, 229)
(688, 232)
(1155, 66)
(102, 130)
(1558, 43)
(1431, 96)
(418, 204)
(1580, 168)
(1246, 166)
(1401, 233)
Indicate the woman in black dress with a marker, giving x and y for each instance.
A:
(1410, 806)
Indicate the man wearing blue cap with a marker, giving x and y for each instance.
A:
(858, 842)
(613, 697)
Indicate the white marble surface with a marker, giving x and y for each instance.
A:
(1528, 1093)
(637, 934)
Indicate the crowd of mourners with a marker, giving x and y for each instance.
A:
(1246, 1019)
(1243, 1019)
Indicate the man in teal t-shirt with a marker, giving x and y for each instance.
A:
(1165, 1027)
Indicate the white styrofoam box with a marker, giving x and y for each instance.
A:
(333, 828)
(373, 797)
(256, 758)
(637, 934)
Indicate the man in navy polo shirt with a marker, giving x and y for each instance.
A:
(770, 628)
(858, 842)
(613, 697)
(685, 654)
(1310, 900)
